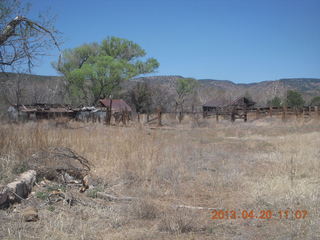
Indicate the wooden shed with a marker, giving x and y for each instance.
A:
(235, 109)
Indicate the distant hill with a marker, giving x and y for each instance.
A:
(52, 89)
(260, 92)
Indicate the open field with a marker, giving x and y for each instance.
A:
(260, 165)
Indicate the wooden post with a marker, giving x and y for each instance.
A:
(233, 115)
(138, 116)
(109, 113)
(217, 116)
(245, 115)
(204, 114)
(258, 113)
(270, 111)
(123, 117)
(180, 117)
(284, 113)
(317, 111)
(159, 117)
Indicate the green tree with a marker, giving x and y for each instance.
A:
(315, 101)
(94, 71)
(184, 88)
(274, 102)
(294, 99)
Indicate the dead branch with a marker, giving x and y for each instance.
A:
(59, 162)
(108, 197)
(192, 207)
(9, 30)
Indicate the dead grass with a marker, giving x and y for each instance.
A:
(260, 165)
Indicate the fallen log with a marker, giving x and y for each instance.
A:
(193, 207)
(17, 190)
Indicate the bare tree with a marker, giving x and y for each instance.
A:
(14, 92)
(22, 40)
(38, 95)
(141, 97)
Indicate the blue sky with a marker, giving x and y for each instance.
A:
(237, 40)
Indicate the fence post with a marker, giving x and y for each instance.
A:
(233, 115)
(159, 117)
(316, 109)
(258, 113)
(124, 116)
(284, 113)
(270, 111)
(245, 116)
(109, 113)
(180, 117)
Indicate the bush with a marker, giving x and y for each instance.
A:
(294, 99)
(143, 209)
(178, 221)
(274, 102)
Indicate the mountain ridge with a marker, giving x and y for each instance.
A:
(52, 89)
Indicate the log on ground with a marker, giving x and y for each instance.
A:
(17, 190)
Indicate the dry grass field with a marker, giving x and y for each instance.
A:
(260, 165)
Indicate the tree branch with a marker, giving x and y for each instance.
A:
(9, 30)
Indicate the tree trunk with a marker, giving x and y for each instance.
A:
(17, 190)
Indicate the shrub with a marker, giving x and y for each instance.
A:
(294, 99)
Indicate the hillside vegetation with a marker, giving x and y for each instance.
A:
(52, 89)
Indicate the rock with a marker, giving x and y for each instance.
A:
(4, 200)
(30, 214)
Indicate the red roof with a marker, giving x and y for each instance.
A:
(118, 105)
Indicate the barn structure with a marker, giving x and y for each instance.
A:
(40, 111)
(236, 109)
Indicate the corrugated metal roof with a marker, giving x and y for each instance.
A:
(44, 108)
(118, 105)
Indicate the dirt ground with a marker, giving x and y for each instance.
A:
(179, 177)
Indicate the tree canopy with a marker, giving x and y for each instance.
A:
(95, 70)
